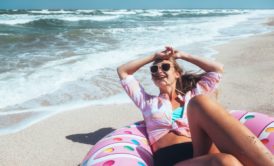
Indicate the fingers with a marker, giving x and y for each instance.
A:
(167, 53)
(170, 50)
(160, 55)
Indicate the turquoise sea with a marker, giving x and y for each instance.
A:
(55, 60)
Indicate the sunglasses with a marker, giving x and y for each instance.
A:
(164, 66)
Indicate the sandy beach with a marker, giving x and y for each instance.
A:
(248, 78)
(65, 138)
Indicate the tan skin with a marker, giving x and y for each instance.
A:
(204, 119)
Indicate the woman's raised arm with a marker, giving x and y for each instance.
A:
(206, 65)
(132, 66)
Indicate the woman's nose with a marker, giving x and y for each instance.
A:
(160, 70)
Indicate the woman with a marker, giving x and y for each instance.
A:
(184, 126)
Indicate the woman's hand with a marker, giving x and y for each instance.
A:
(176, 53)
(171, 52)
(164, 55)
(167, 53)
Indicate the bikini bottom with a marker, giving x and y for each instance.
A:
(169, 156)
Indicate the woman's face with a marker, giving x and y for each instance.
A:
(164, 74)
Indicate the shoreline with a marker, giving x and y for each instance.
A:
(65, 138)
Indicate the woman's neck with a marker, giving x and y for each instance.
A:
(173, 97)
(170, 92)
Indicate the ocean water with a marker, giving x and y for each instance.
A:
(55, 60)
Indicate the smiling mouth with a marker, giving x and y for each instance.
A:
(159, 77)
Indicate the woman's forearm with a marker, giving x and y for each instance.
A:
(204, 64)
(132, 66)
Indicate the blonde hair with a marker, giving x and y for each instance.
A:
(187, 80)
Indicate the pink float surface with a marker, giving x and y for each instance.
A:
(261, 125)
(129, 145)
(126, 146)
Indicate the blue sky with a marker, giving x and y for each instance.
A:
(129, 4)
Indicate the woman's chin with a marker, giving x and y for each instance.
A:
(161, 83)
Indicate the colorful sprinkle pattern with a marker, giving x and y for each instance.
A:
(125, 146)
(129, 145)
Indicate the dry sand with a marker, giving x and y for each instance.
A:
(64, 139)
(248, 80)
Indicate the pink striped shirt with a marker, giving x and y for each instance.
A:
(157, 110)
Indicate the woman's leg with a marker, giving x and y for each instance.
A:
(219, 159)
(209, 122)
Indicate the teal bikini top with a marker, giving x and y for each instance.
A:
(177, 113)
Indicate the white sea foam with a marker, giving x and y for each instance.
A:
(23, 19)
(152, 13)
(15, 19)
(51, 77)
(46, 11)
(120, 12)
(93, 18)
(4, 34)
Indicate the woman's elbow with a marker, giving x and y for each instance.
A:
(220, 68)
(121, 72)
(118, 69)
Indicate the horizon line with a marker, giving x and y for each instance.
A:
(120, 8)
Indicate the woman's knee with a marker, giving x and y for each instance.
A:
(197, 104)
(198, 100)
(223, 159)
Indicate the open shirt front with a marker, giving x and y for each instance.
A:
(157, 110)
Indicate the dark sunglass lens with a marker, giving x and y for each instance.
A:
(165, 66)
(153, 69)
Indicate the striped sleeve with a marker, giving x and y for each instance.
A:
(208, 83)
(135, 91)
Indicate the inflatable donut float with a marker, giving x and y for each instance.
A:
(128, 146)
(261, 125)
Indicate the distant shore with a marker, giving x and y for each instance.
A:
(65, 139)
